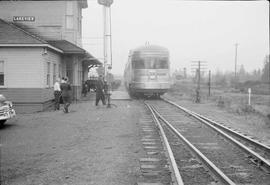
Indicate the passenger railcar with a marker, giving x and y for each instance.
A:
(147, 71)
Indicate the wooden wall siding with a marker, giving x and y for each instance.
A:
(52, 58)
(22, 67)
(50, 19)
(33, 100)
(28, 108)
(33, 107)
(47, 94)
(72, 34)
(28, 95)
(46, 13)
(53, 32)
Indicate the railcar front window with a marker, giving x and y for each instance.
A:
(138, 64)
(150, 63)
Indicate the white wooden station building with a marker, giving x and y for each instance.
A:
(39, 42)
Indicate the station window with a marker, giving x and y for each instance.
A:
(69, 8)
(2, 73)
(48, 73)
(59, 70)
(69, 21)
(54, 73)
(69, 15)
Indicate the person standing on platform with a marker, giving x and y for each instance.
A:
(57, 94)
(66, 94)
(85, 88)
(100, 91)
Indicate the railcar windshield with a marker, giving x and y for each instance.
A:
(150, 63)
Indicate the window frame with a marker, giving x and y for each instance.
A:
(4, 73)
(54, 72)
(69, 16)
(48, 74)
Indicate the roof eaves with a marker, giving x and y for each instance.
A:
(60, 44)
(26, 32)
(32, 45)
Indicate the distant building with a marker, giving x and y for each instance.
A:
(39, 42)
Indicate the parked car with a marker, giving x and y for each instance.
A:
(6, 110)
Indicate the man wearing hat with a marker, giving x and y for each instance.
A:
(100, 91)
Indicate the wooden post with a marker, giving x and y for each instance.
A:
(209, 83)
(249, 94)
(198, 99)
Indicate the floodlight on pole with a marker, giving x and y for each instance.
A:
(107, 3)
(107, 41)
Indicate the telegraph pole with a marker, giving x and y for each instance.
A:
(209, 83)
(235, 65)
(198, 75)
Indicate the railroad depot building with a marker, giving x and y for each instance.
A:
(39, 42)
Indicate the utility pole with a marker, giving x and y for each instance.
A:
(235, 65)
(198, 75)
(198, 98)
(209, 83)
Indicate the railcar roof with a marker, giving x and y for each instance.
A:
(150, 50)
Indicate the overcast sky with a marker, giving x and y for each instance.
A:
(196, 30)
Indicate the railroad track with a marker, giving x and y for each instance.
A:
(204, 154)
(259, 152)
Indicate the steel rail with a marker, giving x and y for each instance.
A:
(255, 143)
(172, 161)
(261, 161)
(247, 139)
(220, 176)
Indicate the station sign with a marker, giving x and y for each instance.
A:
(105, 2)
(23, 18)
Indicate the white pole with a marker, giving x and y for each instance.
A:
(249, 95)
(105, 39)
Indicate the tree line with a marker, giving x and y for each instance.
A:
(242, 76)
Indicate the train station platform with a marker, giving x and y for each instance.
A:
(116, 95)
(90, 145)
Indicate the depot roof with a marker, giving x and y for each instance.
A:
(91, 61)
(12, 35)
(67, 47)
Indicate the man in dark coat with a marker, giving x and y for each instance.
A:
(85, 88)
(66, 94)
(100, 91)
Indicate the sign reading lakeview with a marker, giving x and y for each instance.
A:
(23, 18)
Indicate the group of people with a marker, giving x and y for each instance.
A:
(62, 93)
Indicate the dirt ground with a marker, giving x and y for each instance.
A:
(253, 124)
(89, 145)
